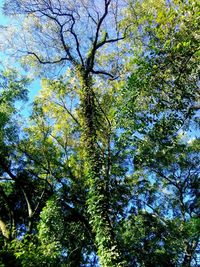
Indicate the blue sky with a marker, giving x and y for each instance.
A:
(3, 19)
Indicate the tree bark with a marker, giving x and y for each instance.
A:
(4, 229)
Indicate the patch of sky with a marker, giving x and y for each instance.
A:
(3, 19)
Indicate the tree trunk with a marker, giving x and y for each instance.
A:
(98, 200)
(4, 229)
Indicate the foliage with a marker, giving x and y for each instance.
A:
(105, 171)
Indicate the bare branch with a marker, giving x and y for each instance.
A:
(45, 61)
(109, 41)
(102, 72)
(90, 60)
(77, 41)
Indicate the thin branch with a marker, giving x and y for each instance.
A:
(104, 73)
(65, 108)
(77, 41)
(90, 60)
(30, 210)
(39, 201)
(46, 61)
(66, 48)
(110, 41)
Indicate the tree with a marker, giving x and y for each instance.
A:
(12, 88)
(60, 21)
(159, 101)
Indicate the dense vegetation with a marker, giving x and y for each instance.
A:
(105, 169)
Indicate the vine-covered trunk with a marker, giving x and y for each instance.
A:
(98, 199)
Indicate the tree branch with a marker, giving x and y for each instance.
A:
(67, 110)
(90, 60)
(102, 72)
(45, 61)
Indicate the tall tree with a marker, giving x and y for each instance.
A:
(159, 103)
(53, 33)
